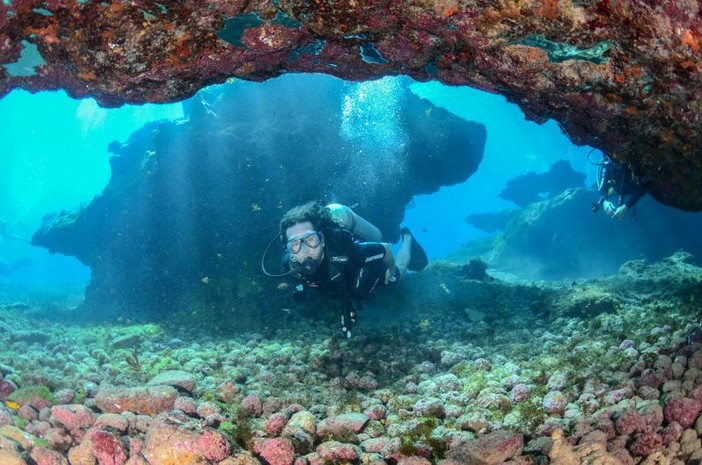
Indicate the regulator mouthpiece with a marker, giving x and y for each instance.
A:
(308, 266)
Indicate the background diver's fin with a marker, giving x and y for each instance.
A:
(418, 259)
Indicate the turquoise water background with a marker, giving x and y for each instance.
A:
(55, 156)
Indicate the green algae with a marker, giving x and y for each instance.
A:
(24, 395)
(530, 414)
(423, 432)
(559, 52)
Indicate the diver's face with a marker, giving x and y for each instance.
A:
(302, 241)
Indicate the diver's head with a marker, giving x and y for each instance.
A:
(305, 245)
(313, 212)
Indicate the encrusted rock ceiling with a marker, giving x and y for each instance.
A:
(619, 75)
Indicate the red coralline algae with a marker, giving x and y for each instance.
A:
(213, 446)
(108, 450)
(671, 433)
(275, 424)
(276, 451)
(253, 405)
(6, 388)
(555, 402)
(649, 378)
(644, 444)
(337, 452)
(682, 410)
(74, 416)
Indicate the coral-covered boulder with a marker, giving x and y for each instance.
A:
(10, 458)
(495, 447)
(344, 424)
(73, 416)
(252, 405)
(82, 454)
(555, 402)
(649, 378)
(6, 388)
(275, 451)
(275, 424)
(43, 456)
(671, 433)
(112, 421)
(147, 400)
(644, 444)
(108, 449)
(167, 443)
(176, 378)
(337, 452)
(629, 422)
(682, 410)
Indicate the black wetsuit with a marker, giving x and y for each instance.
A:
(364, 271)
(349, 271)
(616, 179)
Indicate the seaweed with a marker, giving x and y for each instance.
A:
(133, 360)
(559, 52)
(422, 433)
(239, 429)
(531, 415)
(24, 395)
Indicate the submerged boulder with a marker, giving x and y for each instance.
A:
(561, 238)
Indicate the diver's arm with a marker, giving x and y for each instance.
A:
(389, 260)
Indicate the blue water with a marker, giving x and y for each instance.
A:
(55, 157)
(514, 146)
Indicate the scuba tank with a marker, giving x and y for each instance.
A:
(355, 224)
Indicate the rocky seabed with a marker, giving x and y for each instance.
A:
(623, 387)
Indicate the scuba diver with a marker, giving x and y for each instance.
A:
(614, 178)
(323, 252)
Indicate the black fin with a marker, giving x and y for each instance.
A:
(418, 260)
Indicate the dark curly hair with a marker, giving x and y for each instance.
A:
(314, 212)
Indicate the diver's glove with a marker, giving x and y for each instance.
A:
(348, 317)
(596, 206)
(620, 212)
(608, 207)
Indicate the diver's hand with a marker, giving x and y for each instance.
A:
(608, 207)
(620, 212)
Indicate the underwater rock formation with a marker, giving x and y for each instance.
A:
(526, 189)
(491, 222)
(191, 205)
(624, 77)
(561, 238)
(532, 187)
